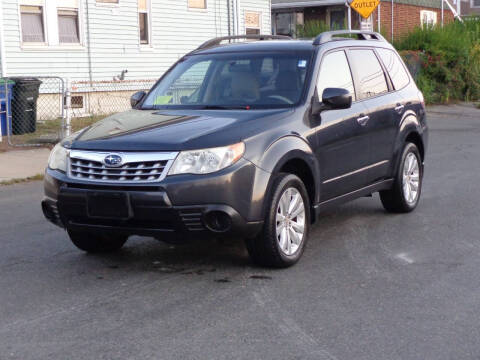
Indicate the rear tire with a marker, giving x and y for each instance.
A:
(286, 226)
(96, 243)
(404, 196)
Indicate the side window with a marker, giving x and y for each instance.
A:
(395, 68)
(368, 73)
(335, 73)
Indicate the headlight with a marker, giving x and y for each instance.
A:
(58, 158)
(207, 161)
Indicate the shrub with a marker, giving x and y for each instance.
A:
(312, 28)
(449, 58)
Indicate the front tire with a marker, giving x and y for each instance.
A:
(287, 223)
(405, 193)
(96, 243)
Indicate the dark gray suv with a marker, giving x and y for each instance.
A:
(252, 138)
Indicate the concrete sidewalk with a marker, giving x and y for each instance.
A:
(20, 164)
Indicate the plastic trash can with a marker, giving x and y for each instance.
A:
(24, 105)
(6, 118)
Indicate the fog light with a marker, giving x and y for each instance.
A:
(218, 221)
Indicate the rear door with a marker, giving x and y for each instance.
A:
(374, 92)
(343, 149)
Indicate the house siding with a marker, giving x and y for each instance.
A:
(114, 38)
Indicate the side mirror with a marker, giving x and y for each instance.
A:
(332, 98)
(337, 98)
(136, 98)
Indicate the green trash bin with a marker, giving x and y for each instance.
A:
(24, 105)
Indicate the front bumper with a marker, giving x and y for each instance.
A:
(178, 208)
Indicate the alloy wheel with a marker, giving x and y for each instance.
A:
(411, 178)
(290, 221)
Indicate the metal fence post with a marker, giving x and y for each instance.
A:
(68, 108)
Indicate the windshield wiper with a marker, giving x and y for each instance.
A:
(219, 107)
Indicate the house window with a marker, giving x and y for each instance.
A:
(336, 18)
(197, 4)
(68, 26)
(475, 4)
(286, 23)
(428, 18)
(32, 24)
(252, 23)
(143, 21)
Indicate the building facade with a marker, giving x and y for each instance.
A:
(287, 15)
(470, 8)
(100, 40)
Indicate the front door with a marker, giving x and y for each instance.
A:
(343, 148)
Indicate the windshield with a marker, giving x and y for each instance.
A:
(233, 81)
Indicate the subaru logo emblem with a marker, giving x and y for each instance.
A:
(113, 161)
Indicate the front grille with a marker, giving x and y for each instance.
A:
(135, 167)
(140, 171)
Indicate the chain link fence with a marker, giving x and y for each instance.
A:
(93, 101)
(38, 111)
(32, 110)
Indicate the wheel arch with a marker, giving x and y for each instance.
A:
(416, 139)
(410, 131)
(293, 155)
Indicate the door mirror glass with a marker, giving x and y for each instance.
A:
(136, 98)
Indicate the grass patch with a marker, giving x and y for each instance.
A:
(38, 177)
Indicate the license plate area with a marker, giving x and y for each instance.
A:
(108, 205)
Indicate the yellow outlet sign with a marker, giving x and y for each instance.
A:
(364, 7)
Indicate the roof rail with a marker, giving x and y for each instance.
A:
(218, 40)
(361, 35)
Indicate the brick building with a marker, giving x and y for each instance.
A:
(407, 14)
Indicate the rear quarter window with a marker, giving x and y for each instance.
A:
(395, 68)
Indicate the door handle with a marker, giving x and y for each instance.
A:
(399, 108)
(363, 120)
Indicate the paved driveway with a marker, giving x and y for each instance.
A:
(370, 286)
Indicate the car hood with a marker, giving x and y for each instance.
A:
(146, 130)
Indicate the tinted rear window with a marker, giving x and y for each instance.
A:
(395, 68)
(369, 74)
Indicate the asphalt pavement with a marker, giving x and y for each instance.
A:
(371, 285)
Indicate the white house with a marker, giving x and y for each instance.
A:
(95, 43)
(98, 39)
